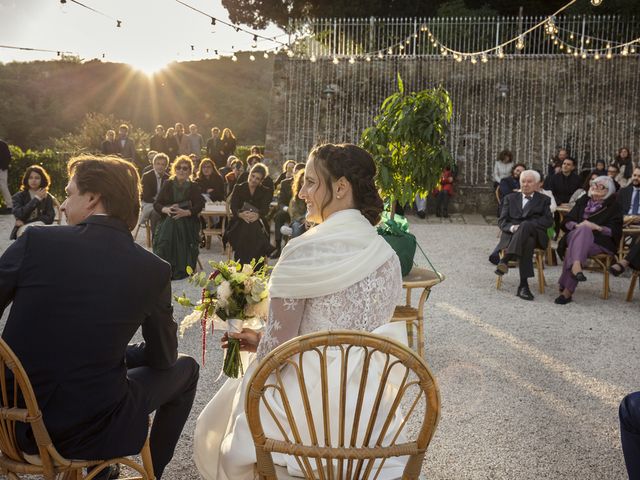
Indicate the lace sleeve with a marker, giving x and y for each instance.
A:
(285, 315)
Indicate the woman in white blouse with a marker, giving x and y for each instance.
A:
(340, 274)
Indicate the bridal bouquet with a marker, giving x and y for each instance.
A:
(233, 296)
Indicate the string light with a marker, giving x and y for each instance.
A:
(380, 55)
(500, 52)
(368, 58)
(596, 3)
(252, 57)
(312, 58)
(609, 55)
(234, 58)
(484, 58)
(520, 43)
(352, 61)
(336, 61)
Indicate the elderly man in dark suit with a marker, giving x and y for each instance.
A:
(80, 292)
(524, 219)
(152, 181)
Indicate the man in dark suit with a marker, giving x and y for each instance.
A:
(124, 145)
(564, 183)
(152, 182)
(524, 219)
(80, 292)
(629, 196)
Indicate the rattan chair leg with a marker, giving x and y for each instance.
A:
(541, 279)
(147, 226)
(632, 285)
(607, 264)
(498, 282)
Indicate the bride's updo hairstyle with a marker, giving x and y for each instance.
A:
(356, 165)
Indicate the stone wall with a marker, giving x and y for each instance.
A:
(531, 105)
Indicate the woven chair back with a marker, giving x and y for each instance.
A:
(344, 404)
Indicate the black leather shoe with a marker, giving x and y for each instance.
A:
(524, 293)
(562, 300)
(579, 277)
(502, 268)
(494, 258)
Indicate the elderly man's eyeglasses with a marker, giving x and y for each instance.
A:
(597, 186)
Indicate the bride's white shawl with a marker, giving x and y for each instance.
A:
(329, 257)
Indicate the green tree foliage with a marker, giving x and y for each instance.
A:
(43, 101)
(259, 13)
(407, 142)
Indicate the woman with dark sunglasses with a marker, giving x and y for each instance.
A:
(177, 237)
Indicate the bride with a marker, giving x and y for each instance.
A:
(339, 275)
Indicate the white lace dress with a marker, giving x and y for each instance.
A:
(223, 447)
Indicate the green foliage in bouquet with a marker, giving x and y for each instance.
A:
(231, 291)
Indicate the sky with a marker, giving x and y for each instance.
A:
(153, 32)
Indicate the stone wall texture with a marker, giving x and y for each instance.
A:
(531, 105)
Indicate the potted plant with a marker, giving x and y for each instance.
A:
(407, 141)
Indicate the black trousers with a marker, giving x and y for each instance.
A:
(629, 414)
(170, 394)
(522, 244)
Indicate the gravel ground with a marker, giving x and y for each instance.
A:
(529, 390)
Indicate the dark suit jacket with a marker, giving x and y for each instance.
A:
(609, 216)
(5, 155)
(537, 212)
(127, 152)
(625, 195)
(150, 185)
(79, 294)
(563, 186)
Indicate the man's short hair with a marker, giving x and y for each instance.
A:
(114, 179)
(260, 168)
(161, 156)
(513, 169)
(123, 127)
(573, 160)
(533, 173)
(253, 158)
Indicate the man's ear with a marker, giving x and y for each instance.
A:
(94, 200)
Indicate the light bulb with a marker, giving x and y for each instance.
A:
(290, 53)
(500, 52)
(390, 51)
(252, 58)
(520, 43)
(596, 3)
(568, 49)
(474, 60)
(234, 58)
(632, 50)
(609, 55)
(484, 58)
(584, 55)
(336, 61)
(596, 56)
(312, 58)
(458, 58)
(352, 61)
(380, 55)
(444, 52)
(368, 58)
(266, 55)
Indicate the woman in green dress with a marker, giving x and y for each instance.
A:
(177, 236)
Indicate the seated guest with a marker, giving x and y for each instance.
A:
(109, 146)
(177, 237)
(593, 226)
(249, 206)
(227, 166)
(255, 150)
(564, 183)
(601, 168)
(96, 392)
(267, 182)
(287, 172)
(625, 166)
(629, 196)
(511, 183)
(152, 183)
(629, 414)
(632, 259)
(209, 180)
(281, 217)
(33, 204)
(158, 142)
(297, 206)
(612, 171)
(443, 192)
(555, 165)
(502, 167)
(524, 219)
(231, 178)
(150, 156)
(582, 190)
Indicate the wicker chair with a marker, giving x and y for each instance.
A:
(538, 255)
(18, 404)
(331, 450)
(601, 263)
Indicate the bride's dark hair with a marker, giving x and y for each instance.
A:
(356, 165)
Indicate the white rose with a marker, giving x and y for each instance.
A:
(223, 293)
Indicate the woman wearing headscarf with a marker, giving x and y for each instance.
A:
(593, 226)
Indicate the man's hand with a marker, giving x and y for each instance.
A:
(514, 228)
(19, 223)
